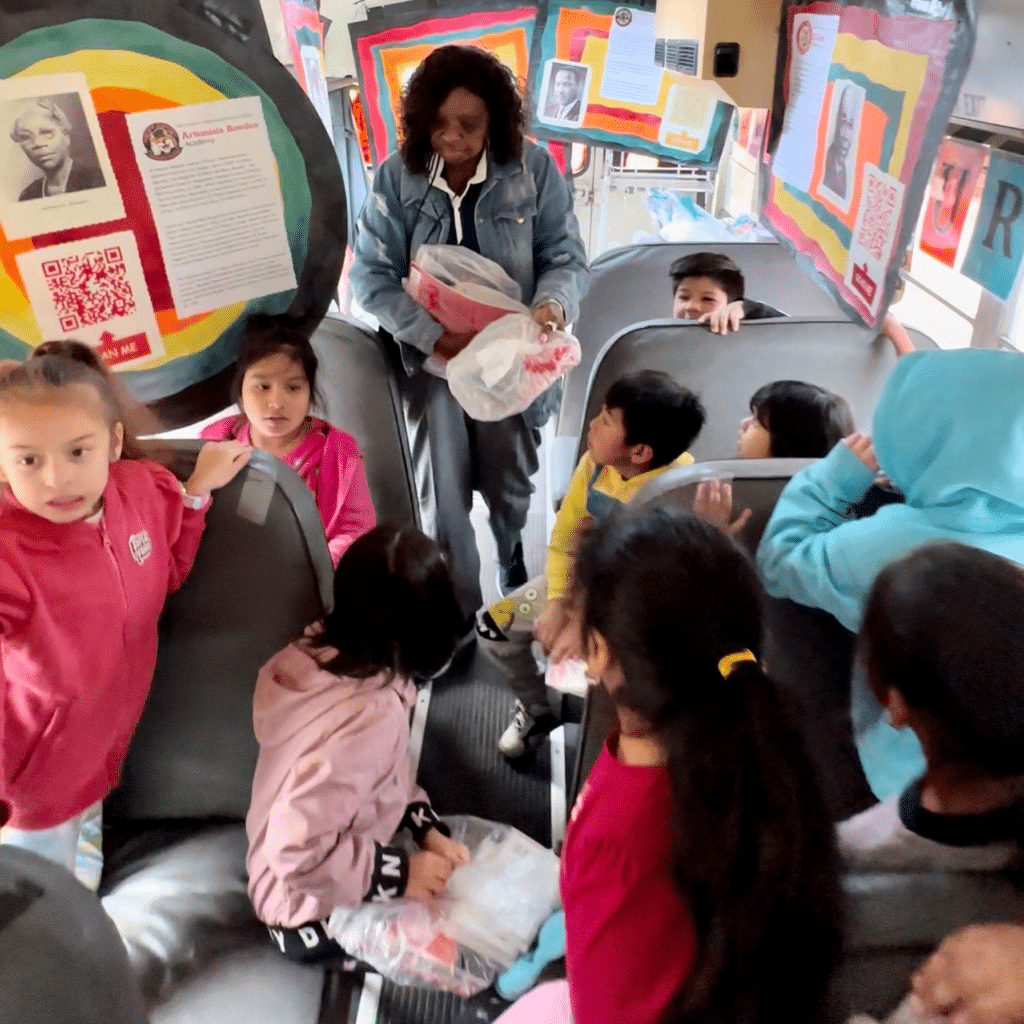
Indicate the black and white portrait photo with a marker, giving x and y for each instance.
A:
(55, 172)
(54, 139)
(837, 178)
(564, 93)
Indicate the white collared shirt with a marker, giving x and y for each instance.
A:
(478, 176)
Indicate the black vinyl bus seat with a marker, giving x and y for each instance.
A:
(263, 572)
(726, 371)
(360, 395)
(630, 285)
(60, 956)
(808, 653)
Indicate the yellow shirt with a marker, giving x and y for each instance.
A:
(562, 546)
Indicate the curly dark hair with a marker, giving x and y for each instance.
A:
(477, 71)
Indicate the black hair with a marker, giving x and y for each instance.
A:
(480, 73)
(657, 411)
(804, 421)
(754, 855)
(395, 608)
(719, 268)
(56, 365)
(943, 628)
(266, 336)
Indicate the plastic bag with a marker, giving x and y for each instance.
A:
(506, 366)
(462, 290)
(487, 918)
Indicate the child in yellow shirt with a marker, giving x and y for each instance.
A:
(644, 428)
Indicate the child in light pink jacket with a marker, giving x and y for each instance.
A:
(333, 783)
(275, 384)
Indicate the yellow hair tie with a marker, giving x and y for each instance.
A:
(730, 661)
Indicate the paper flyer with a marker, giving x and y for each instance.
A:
(212, 185)
(94, 291)
(874, 236)
(55, 173)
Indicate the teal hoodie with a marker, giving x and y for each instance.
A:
(949, 432)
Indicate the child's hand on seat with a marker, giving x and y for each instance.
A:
(721, 321)
(219, 462)
(861, 446)
(713, 504)
(550, 624)
(454, 852)
(428, 875)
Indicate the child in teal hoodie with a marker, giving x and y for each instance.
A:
(949, 433)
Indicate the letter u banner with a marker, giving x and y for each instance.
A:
(954, 180)
(996, 250)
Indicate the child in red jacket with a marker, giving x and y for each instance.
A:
(93, 536)
(275, 384)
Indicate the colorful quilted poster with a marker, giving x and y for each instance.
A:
(593, 78)
(126, 68)
(391, 44)
(862, 101)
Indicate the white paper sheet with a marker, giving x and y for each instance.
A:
(94, 291)
(630, 74)
(60, 147)
(212, 184)
(814, 39)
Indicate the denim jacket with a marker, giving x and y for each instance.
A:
(524, 222)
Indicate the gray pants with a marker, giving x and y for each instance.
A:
(513, 651)
(453, 456)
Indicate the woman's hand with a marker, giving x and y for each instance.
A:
(428, 875)
(861, 446)
(450, 345)
(713, 504)
(975, 977)
(721, 321)
(549, 317)
(219, 462)
(453, 852)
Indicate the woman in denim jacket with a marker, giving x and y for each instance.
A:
(464, 175)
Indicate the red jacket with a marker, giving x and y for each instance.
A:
(79, 605)
(330, 462)
(630, 940)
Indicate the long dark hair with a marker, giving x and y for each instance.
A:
(266, 336)
(395, 608)
(754, 853)
(943, 628)
(804, 421)
(480, 73)
(56, 365)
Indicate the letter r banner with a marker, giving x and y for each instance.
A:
(994, 257)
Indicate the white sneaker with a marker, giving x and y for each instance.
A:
(524, 727)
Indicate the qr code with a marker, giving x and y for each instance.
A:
(879, 208)
(89, 289)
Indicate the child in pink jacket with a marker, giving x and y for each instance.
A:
(333, 782)
(275, 384)
(93, 536)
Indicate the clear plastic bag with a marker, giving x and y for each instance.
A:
(506, 366)
(462, 290)
(487, 918)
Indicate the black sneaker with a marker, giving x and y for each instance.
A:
(513, 575)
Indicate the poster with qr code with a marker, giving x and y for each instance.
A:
(863, 95)
(94, 291)
(55, 172)
(874, 236)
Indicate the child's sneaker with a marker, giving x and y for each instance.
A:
(525, 729)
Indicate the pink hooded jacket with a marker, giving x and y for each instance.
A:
(79, 605)
(330, 462)
(332, 784)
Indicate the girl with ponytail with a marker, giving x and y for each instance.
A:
(699, 875)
